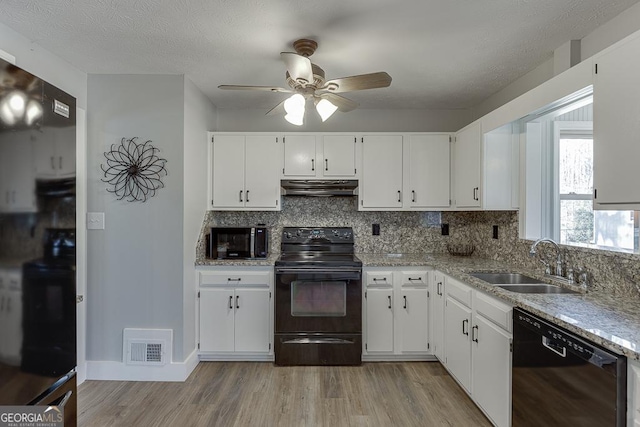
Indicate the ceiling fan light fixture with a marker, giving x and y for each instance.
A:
(325, 109)
(294, 106)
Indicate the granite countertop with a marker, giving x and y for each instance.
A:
(208, 262)
(606, 319)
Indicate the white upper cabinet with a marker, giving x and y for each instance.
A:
(616, 128)
(467, 166)
(427, 171)
(309, 156)
(485, 168)
(245, 172)
(339, 152)
(300, 156)
(381, 183)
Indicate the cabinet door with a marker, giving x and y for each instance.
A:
(300, 155)
(217, 319)
(339, 155)
(491, 370)
(228, 171)
(379, 320)
(381, 171)
(457, 346)
(467, 166)
(616, 129)
(437, 315)
(262, 182)
(46, 162)
(428, 157)
(413, 319)
(252, 320)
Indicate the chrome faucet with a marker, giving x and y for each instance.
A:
(559, 261)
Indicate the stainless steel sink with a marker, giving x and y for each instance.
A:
(505, 278)
(537, 288)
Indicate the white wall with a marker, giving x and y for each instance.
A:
(33, 58)
(237, 120)
(199, 117)
(135, 265)
(610, 32)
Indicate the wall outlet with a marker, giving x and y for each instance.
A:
(375, 229)
(95, 220)
(445, 229)
(495, 231)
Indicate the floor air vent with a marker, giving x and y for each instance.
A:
(147, 346)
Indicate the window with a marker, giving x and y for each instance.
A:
(558, 181)
(576, 223)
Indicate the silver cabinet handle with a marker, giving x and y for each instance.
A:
(246, 196)
(240, 195)
(399, 196)
(313, 164)
(475, 193)
(389, 296)
(326, 164)
(237, 301)
(405, 302)
(375, 279)
(439, 288)
(413, 196)
(230, 302)
(474, 333)
(411, 279)
(229, 279)
(465, 331)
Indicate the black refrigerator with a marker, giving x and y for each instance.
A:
(37, 243)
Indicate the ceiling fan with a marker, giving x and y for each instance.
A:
(307, 82)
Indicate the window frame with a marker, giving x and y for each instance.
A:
(562, 129)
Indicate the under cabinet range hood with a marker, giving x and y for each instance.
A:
(319, 188)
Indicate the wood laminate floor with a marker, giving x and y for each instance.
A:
(261, 394)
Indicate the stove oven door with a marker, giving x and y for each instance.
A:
(318, 316)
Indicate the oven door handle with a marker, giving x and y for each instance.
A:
(318, 270)
(317, 341)
(553, 347)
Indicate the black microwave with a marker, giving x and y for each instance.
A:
(238, 242)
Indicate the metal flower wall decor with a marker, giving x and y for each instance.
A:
(133, 170)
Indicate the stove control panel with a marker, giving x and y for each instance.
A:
(325, 234)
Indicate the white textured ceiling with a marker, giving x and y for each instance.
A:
(440, 53)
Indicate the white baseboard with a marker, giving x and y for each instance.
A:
(398, 358)
(118, 371)
(236, 357)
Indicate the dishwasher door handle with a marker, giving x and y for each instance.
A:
(553, 347)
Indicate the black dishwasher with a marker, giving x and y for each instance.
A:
(560, 379)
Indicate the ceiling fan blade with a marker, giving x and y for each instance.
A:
(361, 82)
(344, 104)
(299, 67)
(278, 109)
(260, 88)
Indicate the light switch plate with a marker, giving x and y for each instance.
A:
(95, 220)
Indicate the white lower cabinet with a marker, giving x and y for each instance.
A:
(236, 314)
(633, 393)
(396, 315)
(437, 314)
(477, 348)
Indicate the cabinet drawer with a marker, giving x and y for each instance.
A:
(379, 278)
(494, 310)
(414, 278)
(459, 291)
(234, 278)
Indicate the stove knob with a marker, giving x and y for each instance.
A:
(298, 233)
(287, 235)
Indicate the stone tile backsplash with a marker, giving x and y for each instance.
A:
(420, 232)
